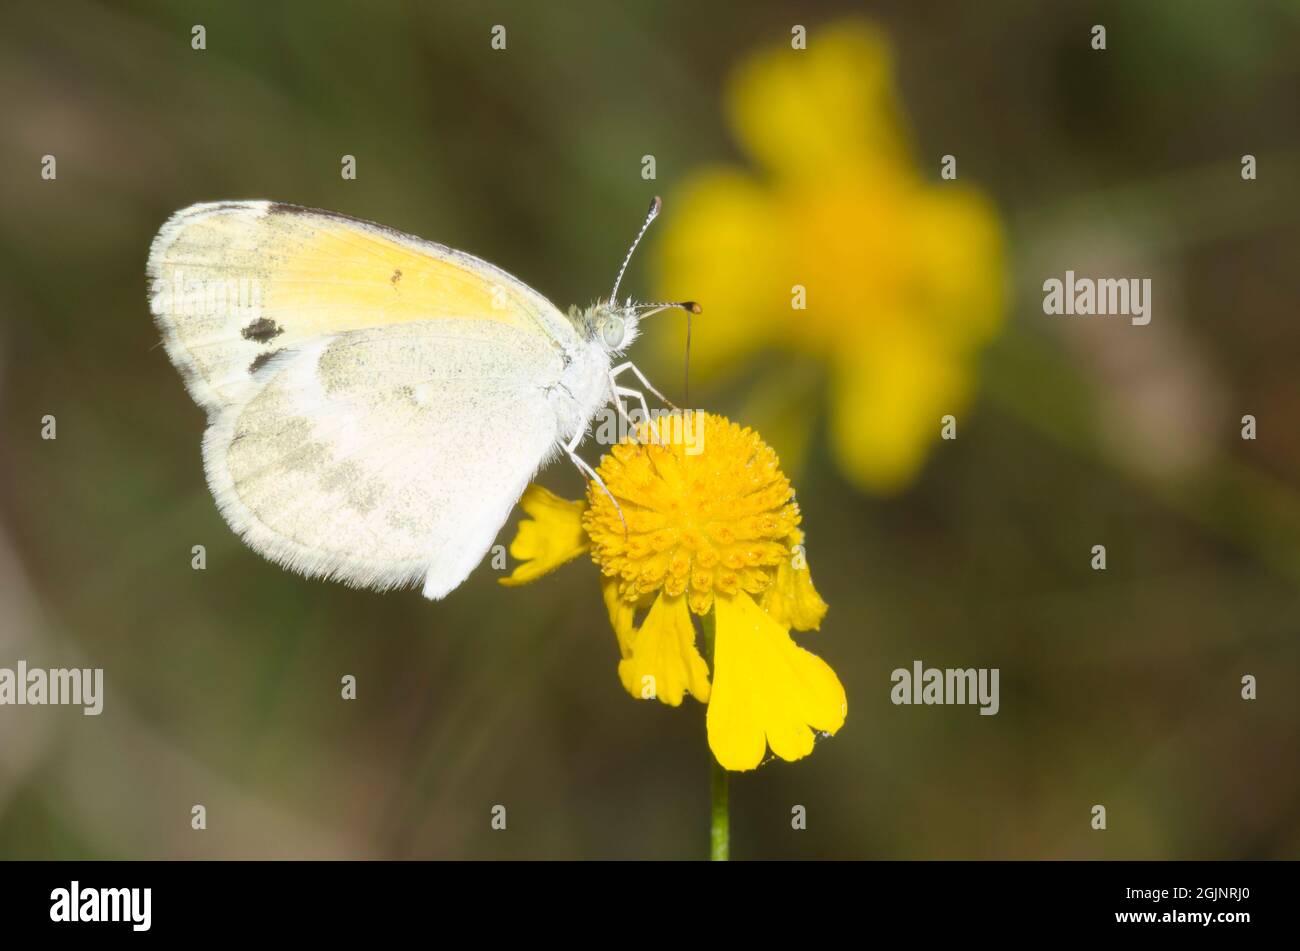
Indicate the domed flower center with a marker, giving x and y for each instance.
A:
(708, 514)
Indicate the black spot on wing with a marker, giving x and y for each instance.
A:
(262, 330)
(260, 360)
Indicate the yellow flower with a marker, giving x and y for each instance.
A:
(714, 533)
(551, 537)
(901, 273)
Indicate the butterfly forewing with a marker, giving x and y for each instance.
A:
(233, 283)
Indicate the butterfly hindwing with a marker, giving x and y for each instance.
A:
(387, 455)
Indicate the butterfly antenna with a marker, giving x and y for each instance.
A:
(649, 310)
(655, 205)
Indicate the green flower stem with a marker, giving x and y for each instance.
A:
(720, 824)
(720, 832)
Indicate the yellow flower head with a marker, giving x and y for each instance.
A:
(695, 523)
(706, 525)
(834, 244)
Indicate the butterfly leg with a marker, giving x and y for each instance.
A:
(571, 449)
(622, 391)
(636, 371)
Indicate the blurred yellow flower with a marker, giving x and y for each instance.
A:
(900, 279)
(714, 533)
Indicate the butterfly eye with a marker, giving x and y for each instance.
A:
(612, 332)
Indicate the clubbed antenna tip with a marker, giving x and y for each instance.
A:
(653, 213)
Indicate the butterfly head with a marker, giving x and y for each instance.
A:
(613, 325)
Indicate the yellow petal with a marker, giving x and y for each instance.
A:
(664, 662)
(621, 613)
(767, 691)
(791, 600)
(802, 113)
(552, 536)
(888, 398)
(959, 279)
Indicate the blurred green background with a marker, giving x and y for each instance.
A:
(1119, 687)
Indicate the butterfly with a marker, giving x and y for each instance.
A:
(376, 402)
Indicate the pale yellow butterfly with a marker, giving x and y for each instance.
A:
(376, 402)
